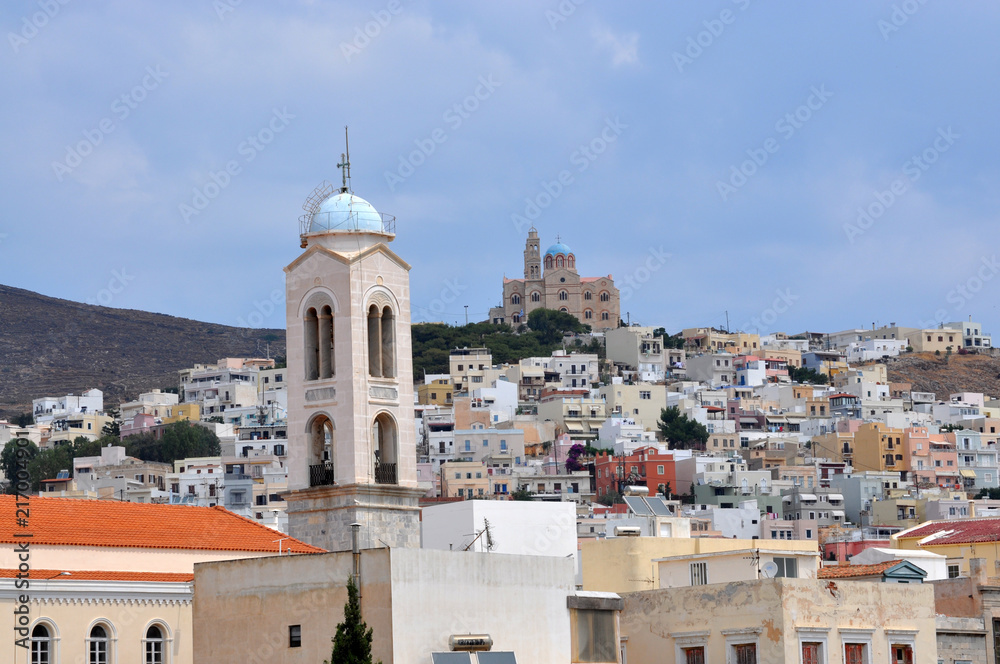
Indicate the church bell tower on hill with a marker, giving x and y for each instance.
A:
(351, 438)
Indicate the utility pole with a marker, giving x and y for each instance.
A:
(466, 314)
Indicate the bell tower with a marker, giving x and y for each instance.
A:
(351, 438)
(532, 259)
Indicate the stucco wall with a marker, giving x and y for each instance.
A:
(517, 527)
(772, 612)
(120, 559)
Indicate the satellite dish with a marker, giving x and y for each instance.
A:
(769, 570)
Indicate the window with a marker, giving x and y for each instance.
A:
(588, 295)
(903, 654)
(854, 653)
(604, 315)
(41, 645)
(153, 645)
(535, 297)
(515, 299)
(593, 636)
(787, 567)
(694, 655)
(295, 636)
(563, 295)
(588, 314)
(745, 653)
(97, 646)
(699, 574)
(605, 297)
(659, 470)
(954, 571)
(645, 394)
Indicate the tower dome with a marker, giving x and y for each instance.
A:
(345, 212)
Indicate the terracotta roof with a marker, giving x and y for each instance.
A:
(91, 575)
(960, 531)
(851, 571)
(78, 522)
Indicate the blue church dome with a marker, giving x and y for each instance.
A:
(346, 212)
(558, 248)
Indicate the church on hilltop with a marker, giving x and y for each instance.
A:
(552, 282)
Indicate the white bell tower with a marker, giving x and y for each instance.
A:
(351, 439)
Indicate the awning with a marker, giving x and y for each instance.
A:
(837, 514)
(835, 496)
(807, 496)
(965, 472)
(574, 426)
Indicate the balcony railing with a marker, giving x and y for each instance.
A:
(321, 474)
(385, 473)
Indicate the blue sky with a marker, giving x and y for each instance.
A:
(800, 165)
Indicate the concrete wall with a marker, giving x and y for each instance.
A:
(119, 558)
(961, 640)
(413, 599)
(517, 527)
(727, 568)
(773, 613)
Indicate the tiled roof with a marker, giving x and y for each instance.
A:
(960, 531)
(108, 523)
(851, 571)
(91, 575)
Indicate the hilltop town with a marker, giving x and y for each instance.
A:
(631, 495)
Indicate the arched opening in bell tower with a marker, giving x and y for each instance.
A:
(321, 440)
(311, 338)
(385, 439)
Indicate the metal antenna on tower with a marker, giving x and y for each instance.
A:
(347, 147)
(345, 165)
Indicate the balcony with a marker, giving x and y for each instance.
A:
(321, 474)
(385, 473)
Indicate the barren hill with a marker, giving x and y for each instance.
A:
(52, 347)
(947, 375)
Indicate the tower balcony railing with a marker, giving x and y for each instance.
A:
(385, 473)
(321, 222)
(321, 474)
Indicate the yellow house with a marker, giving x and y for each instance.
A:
(880, 447)
(184, 411)
(465, 479)
(436, 392)
(631, 564)
(958, 540)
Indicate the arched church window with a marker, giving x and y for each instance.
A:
(563, 295)
(605, 297)
(604, 315)
(588, 314)
(535, 297)
(559, 261)
(325, 342)
(311, 338)
(588, 296)
(571, 261)
(548, 262)
(384, 443)
(515, 299)
(374, 341)
(388, 327)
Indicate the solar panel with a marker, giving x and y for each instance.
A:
(451, 658)
(659, 507)
(62, 475)
(638, 506)
(497, 658)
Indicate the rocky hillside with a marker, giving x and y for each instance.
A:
(51, 347)
(947, 375)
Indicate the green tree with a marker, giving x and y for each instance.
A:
(114, 427)
(521, 493)
(179, 440)
(611, 498)
(681, 432)
(353, 642)
(9, 460)
(551, 325)
(24, 420)
(807, 375)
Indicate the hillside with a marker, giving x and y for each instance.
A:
(943, 376)
(52, 347)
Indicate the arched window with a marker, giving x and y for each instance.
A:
(571, 261)
(605, 297)
(536, 297)
(41, 645)
(588, 295)
(153, 646)
(559, 261)
(515, 299)
(564, 310)
(374, 342)
(588, 314)
(516, 318)
(388, 326)
(97, 645)
(311, 336)
(563, 295)
(384, 442)
(325, 340)
(604, 315)
(321, 451)
(548, 262)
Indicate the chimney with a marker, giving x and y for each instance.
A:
(977, 571)
(972, 509)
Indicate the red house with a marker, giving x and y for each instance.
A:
(645, 467)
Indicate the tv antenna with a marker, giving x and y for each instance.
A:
(345, 165)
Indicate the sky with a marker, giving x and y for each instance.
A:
(785, 166)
